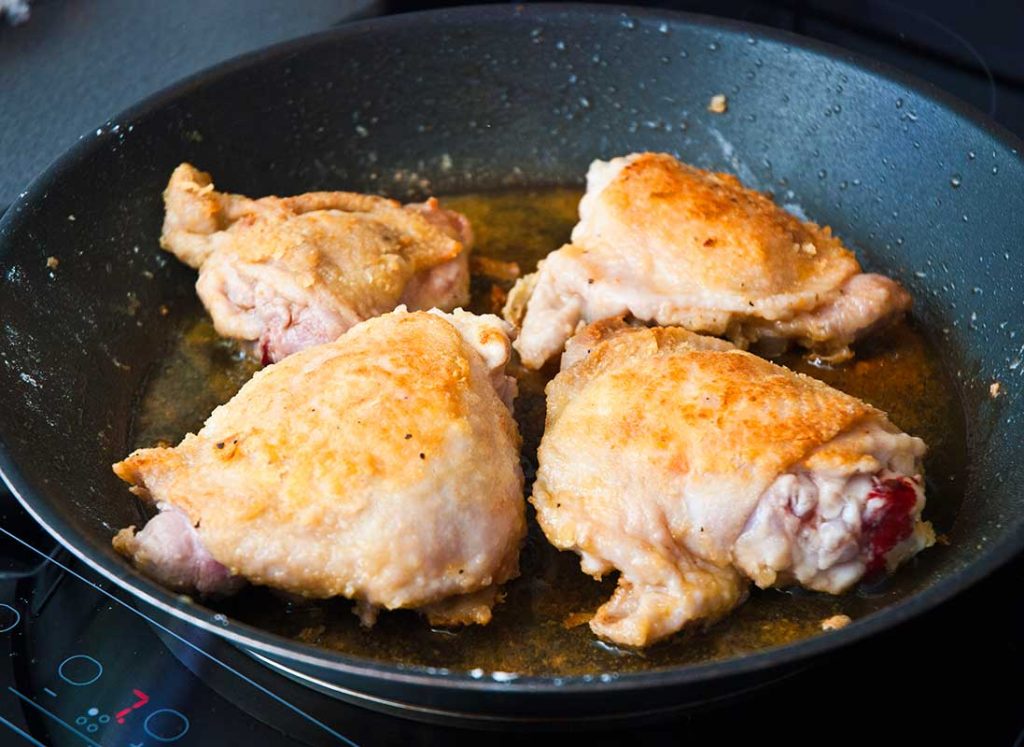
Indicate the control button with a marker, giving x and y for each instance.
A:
(80, 670)
(9, 618)
(166, 725)
(92, 720)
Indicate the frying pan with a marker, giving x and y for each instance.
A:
(476, 98)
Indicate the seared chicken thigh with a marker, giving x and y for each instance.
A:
(672, 244)
(382, 467)
(298, 271)
(691, 466)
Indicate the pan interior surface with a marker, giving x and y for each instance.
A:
(477, 101)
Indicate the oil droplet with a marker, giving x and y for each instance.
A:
(221, 619)
(995, 169)
(663, 27)
(971, 155)
(751, 41)
(627, 22)
(713, 46)
(560, 45)
(965, 217)
(899, 103)
(822, 174)
(955, 181)
(837, 108)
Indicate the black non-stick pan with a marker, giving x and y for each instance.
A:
(923, 187)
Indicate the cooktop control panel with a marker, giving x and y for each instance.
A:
(88, 668)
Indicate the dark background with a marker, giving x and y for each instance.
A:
(952, 676)
(76, 63)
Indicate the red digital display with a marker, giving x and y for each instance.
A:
(142, 700)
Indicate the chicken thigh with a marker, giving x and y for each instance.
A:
(298, 271)
(672, 244)
(691, 466)
(382, 467)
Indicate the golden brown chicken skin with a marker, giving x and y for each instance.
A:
(692, 467)
(297, 271)
(672, 244)
(383, 467)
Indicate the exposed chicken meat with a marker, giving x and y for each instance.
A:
(691, 466)
(169, 550)
(865, 303)
(671, 244)
(826, 522)
(383, 467)
(298, 271)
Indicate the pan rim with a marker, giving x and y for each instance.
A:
(246, 636)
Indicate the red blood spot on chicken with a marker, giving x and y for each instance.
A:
(889, 525)
(264, 348)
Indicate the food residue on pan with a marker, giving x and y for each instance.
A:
(836, 622)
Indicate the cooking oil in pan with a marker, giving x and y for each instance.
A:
(541, 628)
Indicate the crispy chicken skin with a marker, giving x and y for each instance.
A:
(382, 467)
(691, 466)
(675, 245)
(298, 271)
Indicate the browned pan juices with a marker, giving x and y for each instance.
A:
(532, 631)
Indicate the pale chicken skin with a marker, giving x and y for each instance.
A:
(672, 244)
(382, 467)
(292, 272)
(693, 467)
